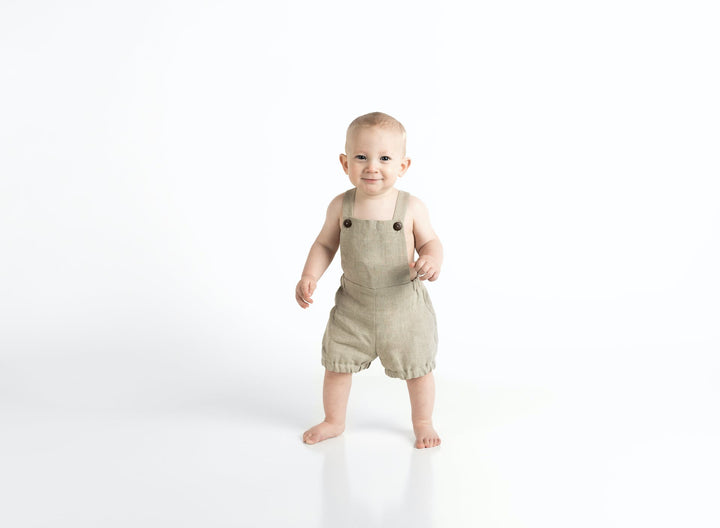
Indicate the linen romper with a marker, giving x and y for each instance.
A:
(381, 308)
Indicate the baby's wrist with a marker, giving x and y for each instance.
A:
(308, 276)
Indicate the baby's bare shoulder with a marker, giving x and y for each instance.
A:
(416, 207)
(420, 220)
(330, 233)
(333, 216)
(334, 210)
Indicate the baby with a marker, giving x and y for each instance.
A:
(382, 308)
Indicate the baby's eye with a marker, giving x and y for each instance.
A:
(385, 158)
(361, 157)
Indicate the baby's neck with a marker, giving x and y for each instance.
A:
(375, 207)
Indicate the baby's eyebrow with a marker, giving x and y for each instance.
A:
(363, 153)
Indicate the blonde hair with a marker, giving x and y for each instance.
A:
(376, 119)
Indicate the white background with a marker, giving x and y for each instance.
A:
(165, 167)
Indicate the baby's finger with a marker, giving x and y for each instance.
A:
(306, 290)
(425, 269)
(300, 296)
(301, 301)
(304, 302)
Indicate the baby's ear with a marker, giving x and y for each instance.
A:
(344, 162)
(404, 165)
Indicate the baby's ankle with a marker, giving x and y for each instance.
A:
(422, 421)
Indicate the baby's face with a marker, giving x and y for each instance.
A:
(375, 159)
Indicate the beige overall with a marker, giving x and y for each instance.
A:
(381, 308)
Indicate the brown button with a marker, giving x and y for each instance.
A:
(397, 226)
(347, 222)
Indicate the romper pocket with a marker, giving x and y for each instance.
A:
(428, 302)
(420, 287)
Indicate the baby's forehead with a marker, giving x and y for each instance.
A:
(385, 130)
(388, 137)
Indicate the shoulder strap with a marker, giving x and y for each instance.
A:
(348, 203)
(401, 206)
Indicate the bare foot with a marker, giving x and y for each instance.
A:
(322, 431)
(425, 436)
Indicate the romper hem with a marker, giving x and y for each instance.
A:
(411, 373)
(344, 368)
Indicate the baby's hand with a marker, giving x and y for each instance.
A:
(427, 268)
(304, 290)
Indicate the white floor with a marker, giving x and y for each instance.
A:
(590, 454)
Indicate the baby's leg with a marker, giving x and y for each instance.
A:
(422, 399)
(336, 390)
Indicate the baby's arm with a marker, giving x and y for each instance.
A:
(427, 243)
(321, 254)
